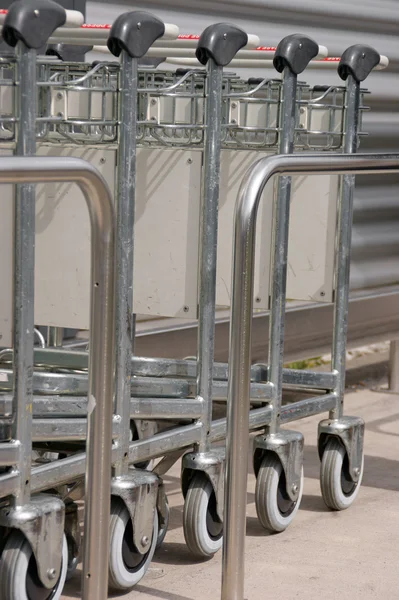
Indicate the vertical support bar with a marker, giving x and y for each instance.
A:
(208, 245)
(125, 248)
(100, 400)
(237, 438)
(291, 58)
(281, 213)
(24, 266)
(343, 251)
(394, 366)
(55, 336)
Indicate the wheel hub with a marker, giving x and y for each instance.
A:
(34, 587)
(132, 559)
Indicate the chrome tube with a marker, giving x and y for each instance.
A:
(344, 241)
(208, 245)
(55, 336)
(125, 203)
(74, 407)
(260, 417)
(24, 269)
(40, 337)
(237, 443)
(281, 218)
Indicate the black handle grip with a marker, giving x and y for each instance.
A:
(67, 52)
(295, 52)
(255, 80)
(220, 42)
(134, 32)
(32, 22)
(320, 88)
(358, 60)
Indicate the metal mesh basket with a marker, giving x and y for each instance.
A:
(78, 103)
(321, 118)
(171, 107)
(252, 114)
(8, 68)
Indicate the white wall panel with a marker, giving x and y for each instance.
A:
(337, 25)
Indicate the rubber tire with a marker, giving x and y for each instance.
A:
(72, 566)
(14, 564)
(333, 468)
(163, 529)
(270, 482)
(196, 515)
(72, 562)
(120, 577)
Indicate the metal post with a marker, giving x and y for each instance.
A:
(24, 266)
(208, 245)
(344, 239)
(278, 266)
(394, 366)
(291, 57)
(55, 336)
(125, 247)
(237, 438)
(100, 401)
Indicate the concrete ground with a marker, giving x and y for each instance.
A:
(348, 555)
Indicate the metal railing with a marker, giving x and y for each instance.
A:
(101, 370)
(237, 441)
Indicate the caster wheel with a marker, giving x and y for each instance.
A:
(19, 579)
(126, 566)
(274, 508)
(337, 487)
(203, 530)
(163, 527)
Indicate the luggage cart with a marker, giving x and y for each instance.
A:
(138, 492)
(51, 132)
(160, 389)
(142, 483)
(278, 454)
(203, 471)
(79, 129)
(34, 548)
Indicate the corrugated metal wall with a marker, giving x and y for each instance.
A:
(336, 24)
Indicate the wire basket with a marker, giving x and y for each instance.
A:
(78, 103)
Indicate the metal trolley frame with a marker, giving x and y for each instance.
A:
(157, 389)
(339, 435)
